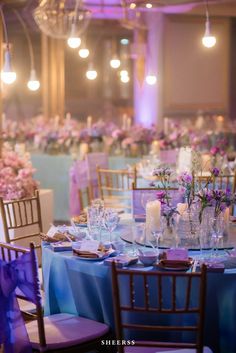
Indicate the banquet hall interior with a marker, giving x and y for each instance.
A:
(118, 176)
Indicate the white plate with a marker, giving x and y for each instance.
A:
(92, 258)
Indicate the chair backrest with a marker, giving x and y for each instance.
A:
(141, 195)
(29, 280)
(166, 298)
(22, 214)
(92, 161)
(222, 182)
(114, 186)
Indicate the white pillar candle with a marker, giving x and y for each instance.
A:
(181, 207)
(155, 149)
(89, 122)
(128, 123)
(166, 126)
(124, 121)
(68, 117)
(153, 216)
(56, 121)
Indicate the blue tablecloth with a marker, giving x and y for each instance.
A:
(53, 173)
(84, 288)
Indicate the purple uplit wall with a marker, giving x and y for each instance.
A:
(147, 98)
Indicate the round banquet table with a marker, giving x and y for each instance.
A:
(83, 288)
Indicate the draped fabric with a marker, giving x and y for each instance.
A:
(16, 275)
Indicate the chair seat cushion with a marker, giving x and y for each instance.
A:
(66, 330)
(135, 349)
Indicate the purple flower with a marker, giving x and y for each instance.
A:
(185, 178)
(161, 196)
(214, 151)
(215, 172)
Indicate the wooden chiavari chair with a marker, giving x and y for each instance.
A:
(24, 214)
(84, 197)
(137, 192)
(55, 333)
(159, 295)
(222, 182)
(114, 186)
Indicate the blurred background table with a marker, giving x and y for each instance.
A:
(53, 173)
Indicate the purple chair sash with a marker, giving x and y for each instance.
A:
(14, 275)
(138, 211)
(92, 161)
(78, 180)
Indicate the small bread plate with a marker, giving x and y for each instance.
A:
(175, 265)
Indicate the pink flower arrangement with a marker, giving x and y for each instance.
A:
(16, 176)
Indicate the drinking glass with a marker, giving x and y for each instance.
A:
(157, 229)
(110, 221)
(137, 233)
(95, 221)
(217, 231)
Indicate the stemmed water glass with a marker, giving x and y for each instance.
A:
(157, 228)
(110, 221)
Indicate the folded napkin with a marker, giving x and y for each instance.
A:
(175, 263)
(57, 237)
(88, 254)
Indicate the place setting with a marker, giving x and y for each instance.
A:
(118, 176)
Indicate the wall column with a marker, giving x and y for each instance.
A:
(53, 77)
(148, 99)
(1, 66)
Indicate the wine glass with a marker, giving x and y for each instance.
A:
(110, 221)
(156, 228)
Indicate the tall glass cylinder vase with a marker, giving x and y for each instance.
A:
(170, 236)
(188, 227)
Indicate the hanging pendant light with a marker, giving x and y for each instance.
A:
(59, 18)
(33, 84)
(208, 40)
(8, 76)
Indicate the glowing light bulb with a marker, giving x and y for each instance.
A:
(115, 63)
(148, 6)
(124, 73)
(91, 74)
(33, 84)
(83, 53)
(124, 41)
(124, 79)
(74, 42)
(132, 6)
(208, 40)
(7, 75)
(151, 80)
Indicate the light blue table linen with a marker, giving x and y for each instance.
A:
(84, 288)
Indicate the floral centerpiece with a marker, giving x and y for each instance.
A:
(169, 212)
(16, 176)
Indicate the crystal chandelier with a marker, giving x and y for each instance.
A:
(60, 18)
